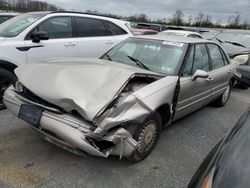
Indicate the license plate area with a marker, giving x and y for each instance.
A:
(30, 114)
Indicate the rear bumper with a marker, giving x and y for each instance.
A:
(72, 133)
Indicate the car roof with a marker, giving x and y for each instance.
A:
(180, 31)
(175, 38)
(151, 30)
(8, 14)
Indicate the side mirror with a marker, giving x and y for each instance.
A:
(200, 74)
(37, 36)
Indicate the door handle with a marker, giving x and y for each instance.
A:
(70, 44)
(210, 79)
(229, 71)
(109, 42)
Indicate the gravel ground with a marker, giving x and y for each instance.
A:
(26, 160)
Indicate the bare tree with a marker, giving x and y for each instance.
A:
(236, 19)
(190, 20)
(177, 18)
(199, 19)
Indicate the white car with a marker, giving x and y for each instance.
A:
(36, 36)
(182, 33)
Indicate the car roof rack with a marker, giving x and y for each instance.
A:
(85, 13)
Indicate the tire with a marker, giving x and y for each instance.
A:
(146, 134)
(223, 98)
(6, 79)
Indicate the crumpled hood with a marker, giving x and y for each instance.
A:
(84, 85)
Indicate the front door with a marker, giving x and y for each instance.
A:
(61, 44)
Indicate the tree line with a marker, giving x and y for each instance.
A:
(26, 6)
(179, 19)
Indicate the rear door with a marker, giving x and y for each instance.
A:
(60, 44)
(193, 94)
(221, 71)
(96, 36)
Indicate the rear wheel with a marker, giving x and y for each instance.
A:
(6, 79)
(223, 98)
(147, 135)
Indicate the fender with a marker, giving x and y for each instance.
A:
(8, 66)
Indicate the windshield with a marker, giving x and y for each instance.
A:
(15, 26)
(158, 56)
(240, 38)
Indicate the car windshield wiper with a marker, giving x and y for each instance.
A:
(138, 62)
(219, 40)
(235, 43)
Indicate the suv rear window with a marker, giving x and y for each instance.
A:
(113, 29)
(88, 27)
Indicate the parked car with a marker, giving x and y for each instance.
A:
(181, 33)
(36, 36)
(227, 165)
(117, 105)
(155, 27)
(237, 45)
(4, 16)
(143, 32)
(209, 34)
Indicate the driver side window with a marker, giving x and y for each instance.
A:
(57, 27)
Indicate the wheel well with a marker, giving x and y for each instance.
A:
(164, 111)
(8, 66)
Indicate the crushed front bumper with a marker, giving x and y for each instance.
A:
(73, 133)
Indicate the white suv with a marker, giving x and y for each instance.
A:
(36, 36)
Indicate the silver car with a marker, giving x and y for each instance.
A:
(118, 104)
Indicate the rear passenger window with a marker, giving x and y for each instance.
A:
(58, 27)
(201, 61)
(88, 27)
(226, 62)
(189, 63)
(216, 56)
(113, 29)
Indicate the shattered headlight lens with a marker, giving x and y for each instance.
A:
(19, 86)
(241, 59)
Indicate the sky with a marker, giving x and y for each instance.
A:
(220, 10)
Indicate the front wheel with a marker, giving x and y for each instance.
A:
(223, 98)
(6, 79)
(147, 135)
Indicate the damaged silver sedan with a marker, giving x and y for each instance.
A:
(118, 104)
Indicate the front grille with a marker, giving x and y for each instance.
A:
(26, 93)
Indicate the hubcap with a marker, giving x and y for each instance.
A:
(226, 94)
(147, 136)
